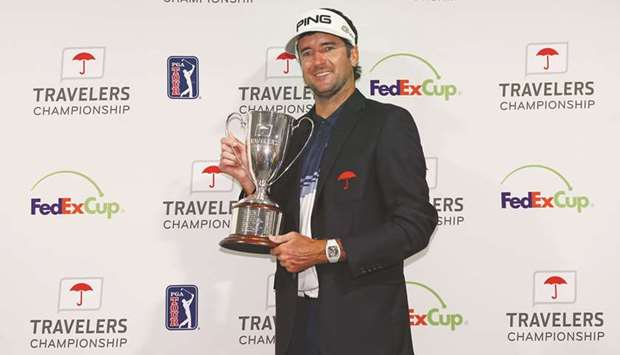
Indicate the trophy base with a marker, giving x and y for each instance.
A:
(251, 223)
(248, 243)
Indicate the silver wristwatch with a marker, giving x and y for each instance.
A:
(332, 251)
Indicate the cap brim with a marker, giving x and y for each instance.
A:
(291, 45)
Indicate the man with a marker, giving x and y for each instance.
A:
(355, 206)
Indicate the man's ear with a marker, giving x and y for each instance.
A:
(355, 56)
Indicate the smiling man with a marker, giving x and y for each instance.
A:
(355, 206)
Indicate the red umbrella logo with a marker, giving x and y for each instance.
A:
(547, 52)
(555, 281)
(346, 176)
(83, 56)
(81, 287)
(212, 169)
(286, 56)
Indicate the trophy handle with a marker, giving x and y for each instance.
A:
(232, 117)
(235, 116)
(293, 128)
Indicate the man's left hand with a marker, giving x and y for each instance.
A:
(296, 252)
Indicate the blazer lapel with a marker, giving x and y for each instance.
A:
(345, 124)
(291, 177)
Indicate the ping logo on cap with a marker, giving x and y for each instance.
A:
(326, 19)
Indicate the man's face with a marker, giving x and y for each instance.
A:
(326, 67)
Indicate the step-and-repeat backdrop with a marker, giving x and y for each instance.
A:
(113, 204)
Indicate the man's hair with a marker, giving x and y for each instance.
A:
(357, 70)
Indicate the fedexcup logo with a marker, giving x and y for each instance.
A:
(434, 316)
(65, 205)
(563, 198)
(432, 85)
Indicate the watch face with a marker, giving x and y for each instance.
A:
(332, 251)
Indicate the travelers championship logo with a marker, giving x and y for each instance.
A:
(283, 89)
(82, 330)
(182, 307)
(271, 293)
(548, 61)
(555, 287)
(560, 197)
(259, 328)
(281, 64)
(208, 2)
(203, 211)
(182, 77)
(434, 312)
(555, 293)
(80, 294)
(449, 207)
(81, 65)
(422, 79)
(207, 177)
(89, 201)
(432, 164)
(546, 58)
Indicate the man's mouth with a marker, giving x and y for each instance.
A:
(321, 74)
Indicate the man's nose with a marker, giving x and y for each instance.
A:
(319, 58)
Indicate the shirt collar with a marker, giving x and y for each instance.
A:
(328, 122)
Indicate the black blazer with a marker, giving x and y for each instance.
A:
(383, 216)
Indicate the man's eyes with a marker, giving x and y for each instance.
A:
(305, 54)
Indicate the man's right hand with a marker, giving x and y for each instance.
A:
(233, 161)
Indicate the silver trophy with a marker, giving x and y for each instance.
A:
(256, 217)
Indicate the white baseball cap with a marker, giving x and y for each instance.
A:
(321, 20)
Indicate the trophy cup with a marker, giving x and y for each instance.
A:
(256, 217)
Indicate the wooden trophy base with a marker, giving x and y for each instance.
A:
(248, 243)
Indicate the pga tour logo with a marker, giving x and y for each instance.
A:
(80, 294)
(207, 177)
(546, 58)
(281, 64)
(555, 287)
(182, 72)
(181, 307)
(82, 63)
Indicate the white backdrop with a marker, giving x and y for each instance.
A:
(513, 119)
